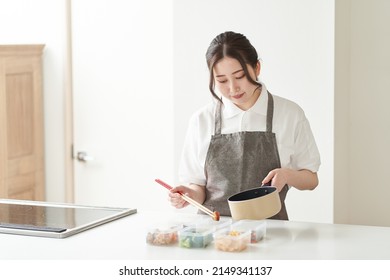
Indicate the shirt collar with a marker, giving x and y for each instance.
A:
(260, 107)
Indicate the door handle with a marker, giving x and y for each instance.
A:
(84, 157)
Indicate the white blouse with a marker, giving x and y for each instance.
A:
(295, 140)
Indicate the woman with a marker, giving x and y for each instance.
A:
(245, 138)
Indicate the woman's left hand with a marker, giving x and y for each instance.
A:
(300, 179)
(277, 177)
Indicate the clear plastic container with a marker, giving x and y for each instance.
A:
(257, 228)
(200, 233)
(194, 237)
(163, 236)
(230, 240)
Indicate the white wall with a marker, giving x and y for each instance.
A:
(370, 114)
(363, 130)
(43, 22)
(295, 41)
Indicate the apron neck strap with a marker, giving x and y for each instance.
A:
(218, 118)
(270, 114)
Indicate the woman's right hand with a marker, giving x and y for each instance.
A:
(193, 191)
(175, 198)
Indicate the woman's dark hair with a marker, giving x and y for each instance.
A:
(234, 45)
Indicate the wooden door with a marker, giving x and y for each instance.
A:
(21, 123)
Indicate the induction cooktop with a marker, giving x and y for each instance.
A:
(57, 220)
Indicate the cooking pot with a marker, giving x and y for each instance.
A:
(255, 204)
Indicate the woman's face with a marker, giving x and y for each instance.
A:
(232, 83)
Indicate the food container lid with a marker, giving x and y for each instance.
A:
(249, 224)
(256, 227)
(205, 223)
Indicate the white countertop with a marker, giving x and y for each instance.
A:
(125, 239)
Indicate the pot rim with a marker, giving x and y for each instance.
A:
(272, 190)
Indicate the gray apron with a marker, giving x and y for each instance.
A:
(239, 161)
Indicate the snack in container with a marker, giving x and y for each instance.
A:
(230, 240)
(163, 236)
(257, 228)
(193, 237)
(200, 233)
